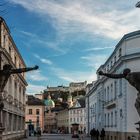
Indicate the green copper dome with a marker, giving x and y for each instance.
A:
(49, 103)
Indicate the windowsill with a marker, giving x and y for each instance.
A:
(110, 104)
(120, 95)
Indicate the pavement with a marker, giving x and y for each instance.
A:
(56, 137)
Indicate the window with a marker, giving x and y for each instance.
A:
(115, 89)
(111, 118)
(19, 65)
(111, 91)
(114, 59)
(104, 69)
(81, 119)
(108, 94)
(15, 96)
(108, 119)
(4, 39)
(105, 94)
(120, 52)
(121, 113)
(37, 121)
(115, 118)
(77, 119)
(111, 64)
(15, 60)
(10, 51)
(30, 111)
(37, 111)
(120, 85)
(107, 67)
(105, 121)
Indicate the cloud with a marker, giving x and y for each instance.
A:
(94, 61)
(42, 41)
(35, 89)
(28, 34)
(43, 60)
(85, 16)
(74, 76)
(98, 48)
(36, 76)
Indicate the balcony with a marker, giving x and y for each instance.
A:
(110, 104)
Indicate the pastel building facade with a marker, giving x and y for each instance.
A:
(115, 98)
(34, 114)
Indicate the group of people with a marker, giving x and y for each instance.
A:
(95, 134)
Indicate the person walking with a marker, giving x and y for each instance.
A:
(97, 134)
(91, 134)
(94, 134)
(102, 134)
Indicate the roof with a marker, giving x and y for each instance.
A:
(34, 101)
(82, 102)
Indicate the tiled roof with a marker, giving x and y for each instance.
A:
(34, 101)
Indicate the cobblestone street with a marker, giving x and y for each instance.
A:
(55, 137)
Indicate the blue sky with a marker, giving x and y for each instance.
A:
(68, 39)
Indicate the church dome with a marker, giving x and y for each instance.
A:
(49, 103)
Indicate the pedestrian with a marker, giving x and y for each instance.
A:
(128, 138)
(82, 135)
(102, 134)
(91, 134)
(97, 134)
(94, 134)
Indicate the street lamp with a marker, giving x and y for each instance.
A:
(4, 75)
(138, 4)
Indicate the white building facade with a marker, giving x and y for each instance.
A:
(77, 114)
(115, 98)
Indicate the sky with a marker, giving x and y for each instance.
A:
(67, 39)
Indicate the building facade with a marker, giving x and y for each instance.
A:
(63, 121)
(13, 114)
(77, 115)
(50, 122)
(34, 115)
(115, 98)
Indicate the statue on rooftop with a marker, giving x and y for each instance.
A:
(133, 78)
